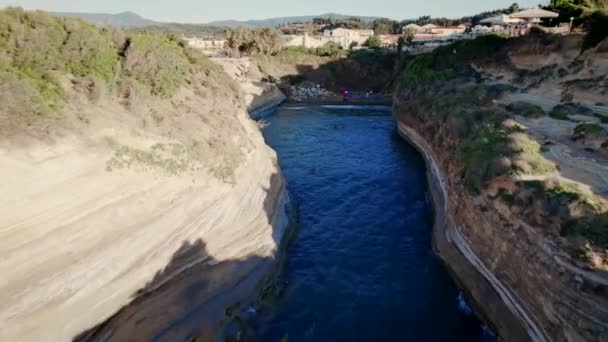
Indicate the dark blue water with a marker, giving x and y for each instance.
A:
(362, 267)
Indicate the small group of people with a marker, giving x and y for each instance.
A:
(518, 30)
(348, 94)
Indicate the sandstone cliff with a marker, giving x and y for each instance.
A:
(132, 174)
(259, 94)
(519, 218)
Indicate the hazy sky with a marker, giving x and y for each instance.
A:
(198, 11)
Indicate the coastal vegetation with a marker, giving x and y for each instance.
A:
(246, 42)
(591, 14)
(37, 49)
(445, 97)
(373, 42)
(526, 109)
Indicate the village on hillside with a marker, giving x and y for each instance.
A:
(413, 36)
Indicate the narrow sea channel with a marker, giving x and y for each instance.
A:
(362, 267)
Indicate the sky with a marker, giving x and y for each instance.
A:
(201, 11)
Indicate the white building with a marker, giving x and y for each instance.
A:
(305, 41)
(345, 37)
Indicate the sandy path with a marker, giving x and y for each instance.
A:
(574, 162)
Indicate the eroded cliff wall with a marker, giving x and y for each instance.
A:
(131, 173)
(536, 237)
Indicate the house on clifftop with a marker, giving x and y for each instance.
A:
(345, 37)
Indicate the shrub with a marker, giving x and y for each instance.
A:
(603, 118)
(527, 157)
(373, 42)
(37, 48)
(158, 61)
(444, 62)
(588, 129)
(22, 93)
(329, 49)
(242, 41)
(560, 112)
(421, 70)
(526, 109)
(89, 51)
(481, 153)
(594, 229)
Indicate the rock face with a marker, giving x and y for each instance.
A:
(509, 259)
(258, 95)
(140, 211)
(309, 91)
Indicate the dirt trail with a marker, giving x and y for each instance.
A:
(574, 162)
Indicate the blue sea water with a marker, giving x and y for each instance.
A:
(362, 267)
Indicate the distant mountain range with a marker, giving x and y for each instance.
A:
(274, 22)
(134, 20)
(124, 19)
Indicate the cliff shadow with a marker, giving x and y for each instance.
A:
(194, 294)
(361, 73)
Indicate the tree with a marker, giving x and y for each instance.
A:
(382, 26)
(513, 8)
(321, 21)
(373, 42)
(329, 49)
(242, 41)
(408, 36)
(577, 9)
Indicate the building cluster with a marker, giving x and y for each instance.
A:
(345, 38)
(425, 37)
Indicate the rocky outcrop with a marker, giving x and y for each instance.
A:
(259, 95)
(509, 255)
(307, 91)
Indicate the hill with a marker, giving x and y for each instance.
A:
(274, 22)
(124, 19)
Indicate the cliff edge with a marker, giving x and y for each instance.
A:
(134, 182)
(513, 134)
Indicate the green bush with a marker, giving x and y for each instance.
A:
(462, 52)
(242, 41)
(526, 109)
(587, 129)
(373, 42)
(330, 49)
(89, 51)
(481, 152)
(22, 93)
(36, 49)
(444, 62)
(158, 61)
(560, 112)
(594, 229)
(422, 70)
